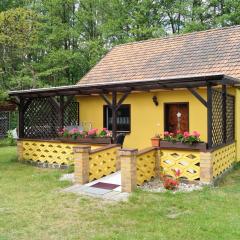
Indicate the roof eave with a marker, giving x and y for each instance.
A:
(173, 82)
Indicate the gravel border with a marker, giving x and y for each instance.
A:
(156, 185)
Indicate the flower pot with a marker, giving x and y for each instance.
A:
(155, 142)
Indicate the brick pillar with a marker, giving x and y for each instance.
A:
(157, 163)
(128, 169)
(81, 164)
(20, 150)
(206, 167)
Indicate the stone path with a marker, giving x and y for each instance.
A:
(112, 195)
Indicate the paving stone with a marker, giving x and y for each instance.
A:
(97, 191)
(110, 195)
(72, 188)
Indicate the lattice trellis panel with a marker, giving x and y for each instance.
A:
(41, 119)
(4, 123)
(51, 152)
(230, 114)
(146, 164)
(188, 162)
(223, 158)
(71, 114)
(102, 163)
(217, 118)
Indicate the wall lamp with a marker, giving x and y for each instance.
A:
(155, 100)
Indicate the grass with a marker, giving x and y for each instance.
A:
(32, 207)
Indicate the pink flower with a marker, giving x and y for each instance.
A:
(186, 134)
(177, 172)
(178, 131)
(196, 134)
(105, 129)
(166, 133)
(171, 134)
(92, 131)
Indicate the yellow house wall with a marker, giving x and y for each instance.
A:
(146, 118)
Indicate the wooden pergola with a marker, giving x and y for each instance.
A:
(6, 108)
(24, 97)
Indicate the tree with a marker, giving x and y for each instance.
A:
(55, 42)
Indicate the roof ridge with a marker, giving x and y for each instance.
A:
(177, 35)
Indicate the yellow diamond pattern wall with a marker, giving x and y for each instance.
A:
(146, 166)
(51, 152)
(102, 163)
(223, 159)
(188, 162)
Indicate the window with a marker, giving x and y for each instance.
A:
(123, 118)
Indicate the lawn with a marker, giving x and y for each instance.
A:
(32, 207)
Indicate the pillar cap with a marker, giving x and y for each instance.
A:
(83, 148)
(128, 151)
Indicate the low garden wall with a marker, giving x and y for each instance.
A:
(187, 161)
(103, 161)
(91, 165)
(138, 167)
(222, 159)
(47, 153)
(146, 164)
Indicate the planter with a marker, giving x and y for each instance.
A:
(155, 142)
(95, 140)
(179, 145)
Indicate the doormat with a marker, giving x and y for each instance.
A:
(108, 186)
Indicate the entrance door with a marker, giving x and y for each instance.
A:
(176, 117)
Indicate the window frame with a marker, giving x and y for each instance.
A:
(105, 107)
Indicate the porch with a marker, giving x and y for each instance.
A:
(42, 112)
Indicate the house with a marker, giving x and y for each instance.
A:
(187, 82)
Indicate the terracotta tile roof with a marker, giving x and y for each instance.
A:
(198, 53)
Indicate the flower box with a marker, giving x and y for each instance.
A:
(88, 140)
(179, 145)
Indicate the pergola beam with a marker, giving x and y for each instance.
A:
(105, 98)
(198, 96)
(126, 86)
(124, 96)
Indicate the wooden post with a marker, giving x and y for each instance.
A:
(209, 115)
(114, 105)
(224, 113)
(81, 164)
(157, 163)
(114, 116)
(61, 112)
(128, 169)
(21, 118)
